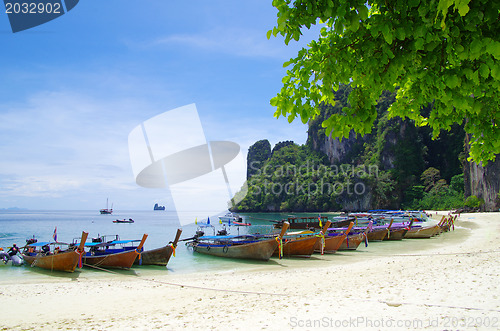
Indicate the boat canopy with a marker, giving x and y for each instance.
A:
(96, 244)
(43, 243)
(114, 242)
(225, 237)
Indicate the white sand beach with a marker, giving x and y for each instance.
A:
(446, 282)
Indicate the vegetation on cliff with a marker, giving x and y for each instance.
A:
(444, 52)
(397, 165)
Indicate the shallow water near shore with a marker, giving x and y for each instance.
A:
(17, 226)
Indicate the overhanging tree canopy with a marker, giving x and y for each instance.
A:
(444, 52)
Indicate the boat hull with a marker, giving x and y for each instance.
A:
(396, 234)
(332, 244)
(299, 247)
(158, 256)
(261, 250)
(426, 232)
(65, 261)
(354, 242)
(377, 235)
(123, 260)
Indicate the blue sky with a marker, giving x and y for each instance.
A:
(74, 88)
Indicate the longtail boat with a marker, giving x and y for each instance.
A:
(107, 255)
(423, 232)
(447, 223)
(158, 256)
(353, 241)
(333, 240)
(397, 231)
(301, 244)
(239, 247)
(426, 231)
(377, 233)
(40, 254)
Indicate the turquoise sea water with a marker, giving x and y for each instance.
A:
(161, 227)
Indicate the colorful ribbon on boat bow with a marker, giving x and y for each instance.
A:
(280, 246)
(322, 235)
(140, 257)
(173, 249)
(366, 239)
(80, 264)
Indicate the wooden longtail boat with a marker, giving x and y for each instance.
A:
(233, 247)
(447, 223)
(353, 241)
(333, 240)
(113, 258)
(423, 232)
(158, 256)
(53, 260)
(397, 232)
(301, 246)
(376, 234)
(419, 232)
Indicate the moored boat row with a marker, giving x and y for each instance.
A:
(113, 252)
(100, 253)
(380, 227)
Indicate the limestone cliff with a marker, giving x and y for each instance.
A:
(483, 182)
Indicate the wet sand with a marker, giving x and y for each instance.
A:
(446, 282)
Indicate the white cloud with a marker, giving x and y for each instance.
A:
(235, 41)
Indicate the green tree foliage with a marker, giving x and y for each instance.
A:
(430, 177)
(436, 194)
(473, 202)
(443, 52)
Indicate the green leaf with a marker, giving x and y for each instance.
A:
(493, 48)
(495, 71)
(452, 81)
(387, 36)
(484, 70)
(419, 44)
(475, 46)
(363, 12)
(269, 33)
(400, 33)
(274, 101)
(463, 7)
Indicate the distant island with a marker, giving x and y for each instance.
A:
(158, 207)
(13, 208)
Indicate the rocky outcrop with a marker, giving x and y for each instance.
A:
(258, 154)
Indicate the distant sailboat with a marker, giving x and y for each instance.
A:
(106, 210)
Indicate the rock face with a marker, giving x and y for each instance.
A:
(336, 150)
(483, 182)
(258, 154)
